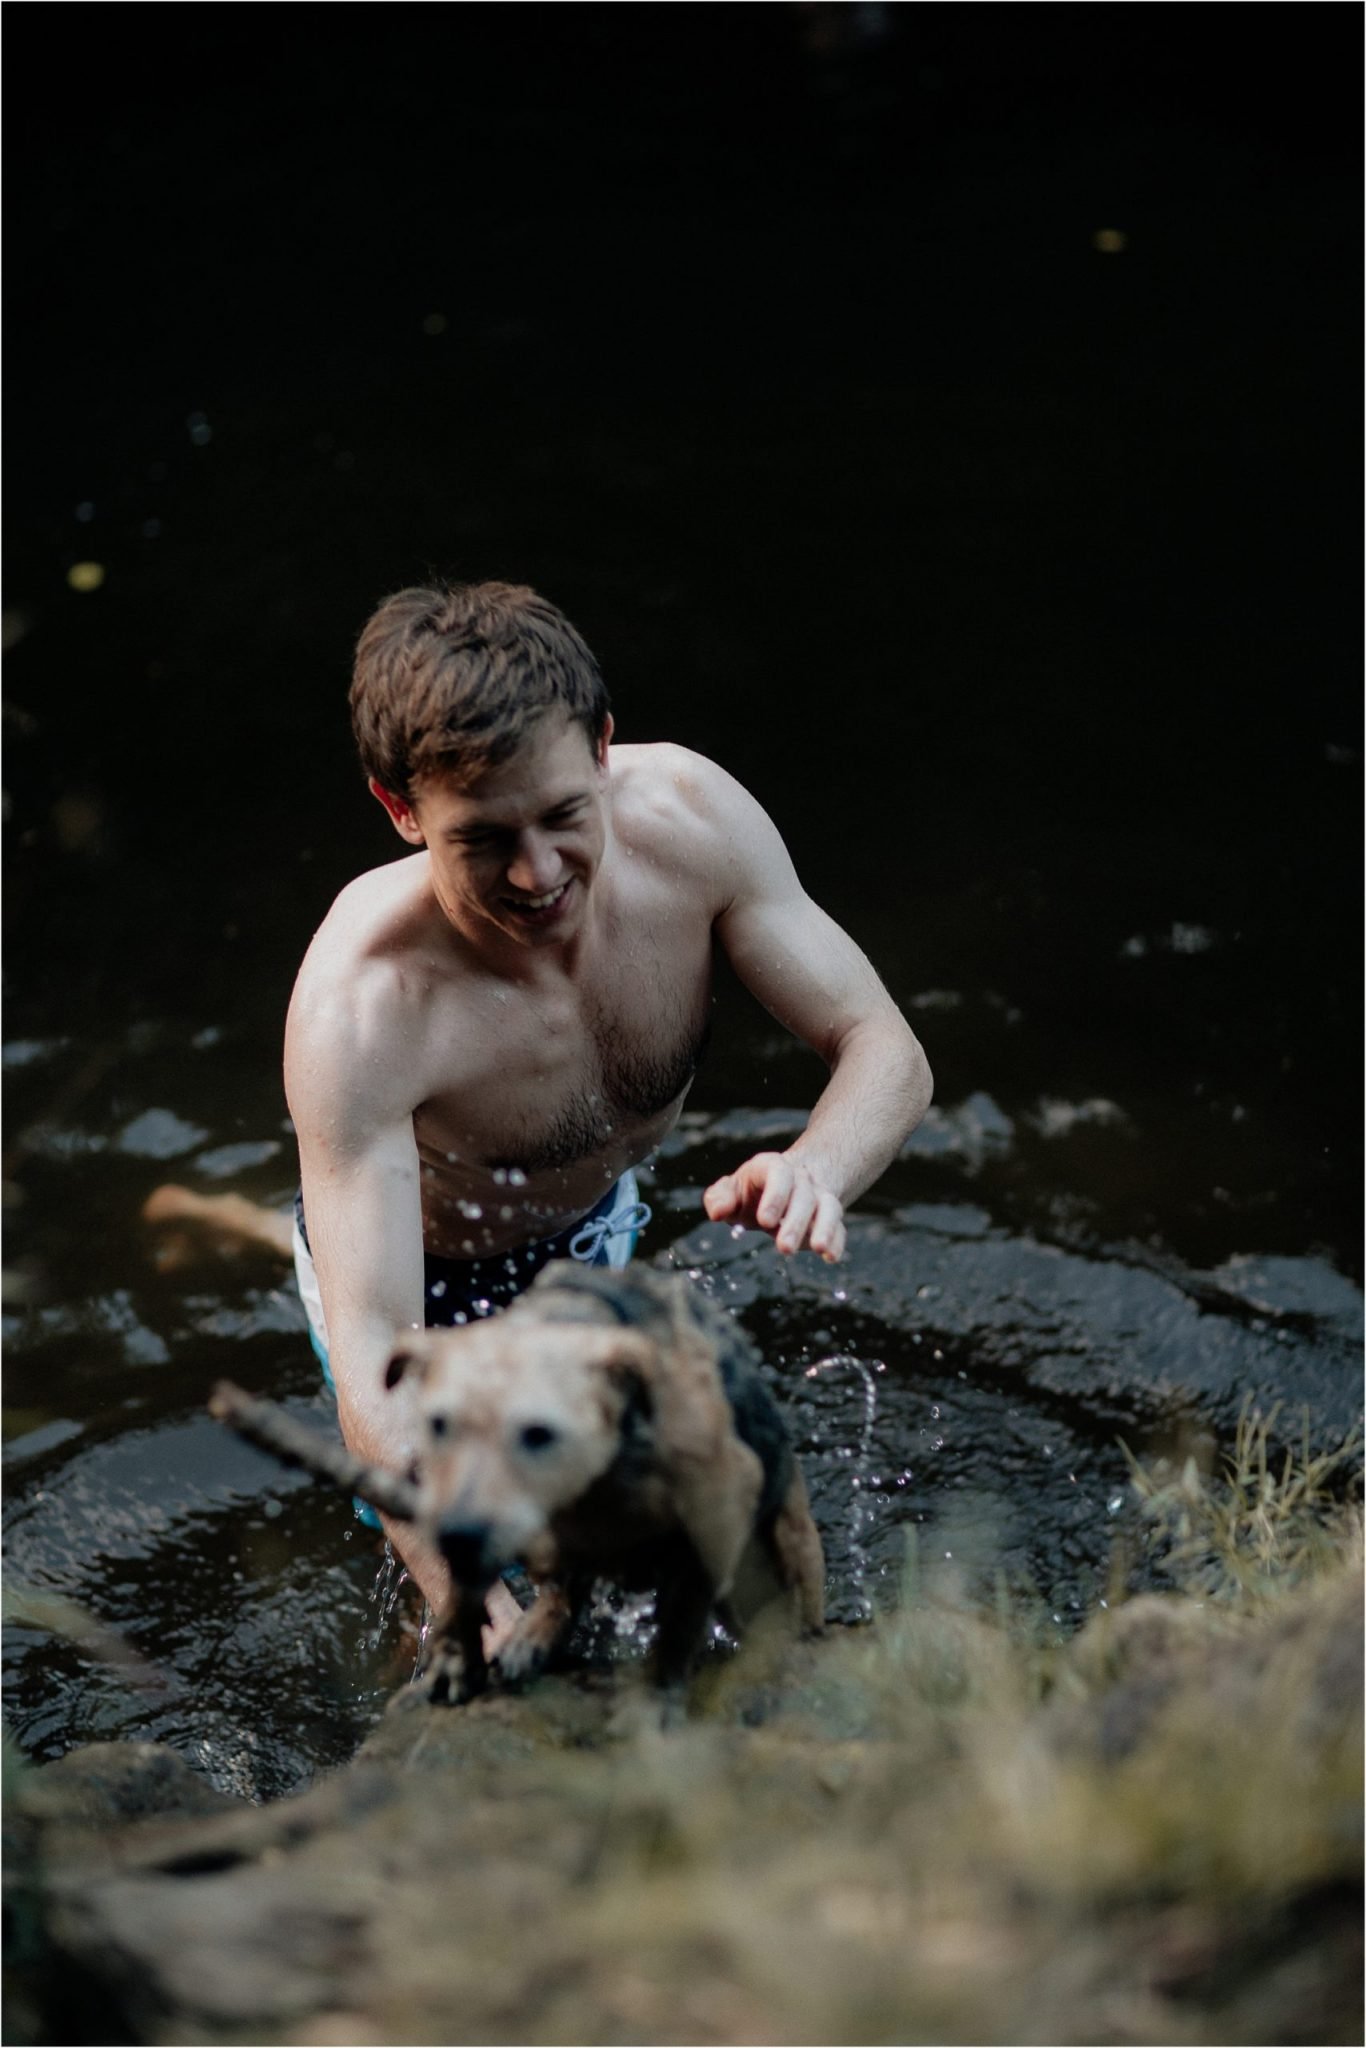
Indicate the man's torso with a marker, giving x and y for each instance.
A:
(531, 1095)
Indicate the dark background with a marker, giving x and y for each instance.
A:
(1019, 579)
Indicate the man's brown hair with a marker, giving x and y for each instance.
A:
(452, 681)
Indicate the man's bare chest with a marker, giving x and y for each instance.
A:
(541, 1080)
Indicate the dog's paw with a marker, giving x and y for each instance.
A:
(521, 1658)
(448, 1680)
(671, 1704)
(535, 1635)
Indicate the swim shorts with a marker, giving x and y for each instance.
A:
(465, 1290)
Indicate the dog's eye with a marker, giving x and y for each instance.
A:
(538, 1436)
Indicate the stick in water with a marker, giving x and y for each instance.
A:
(265, 1424)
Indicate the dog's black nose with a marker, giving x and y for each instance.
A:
(465, 1547)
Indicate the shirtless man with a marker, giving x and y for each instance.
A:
(486, 1037)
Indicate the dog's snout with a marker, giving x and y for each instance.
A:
(468, 1550)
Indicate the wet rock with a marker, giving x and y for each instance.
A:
(215, 1953)
(1132, 1349)
(107, 1784)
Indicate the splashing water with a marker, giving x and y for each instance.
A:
(860, 1511)
(424, 1632)
(390, 1580)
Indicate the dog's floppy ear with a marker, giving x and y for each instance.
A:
(409, 1353)
(629, 1359)
(625, 1361)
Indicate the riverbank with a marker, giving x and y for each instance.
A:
(947, 1827)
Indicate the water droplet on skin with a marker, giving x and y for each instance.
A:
(505, 1213)
(470, 1209)
(437, 1289)
(516, 1178)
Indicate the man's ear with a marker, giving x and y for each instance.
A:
(401, 812)
(609, 727)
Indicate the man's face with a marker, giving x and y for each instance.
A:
(516, 848)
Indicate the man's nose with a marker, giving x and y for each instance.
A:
(535, 866)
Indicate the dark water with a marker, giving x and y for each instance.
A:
(1020, 579)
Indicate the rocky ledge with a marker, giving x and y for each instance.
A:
(939, 1828)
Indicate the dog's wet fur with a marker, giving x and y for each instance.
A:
(607, 1425)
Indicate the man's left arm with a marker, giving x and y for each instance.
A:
(818, 984)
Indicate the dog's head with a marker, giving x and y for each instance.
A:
(513, 1432)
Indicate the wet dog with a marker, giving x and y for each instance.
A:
(607, 1425)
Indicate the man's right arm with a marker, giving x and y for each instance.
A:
(344, 1077)
(362, 1197)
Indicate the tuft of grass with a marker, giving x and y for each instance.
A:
(1264, 1523)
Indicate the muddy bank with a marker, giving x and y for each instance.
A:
(936, 1829)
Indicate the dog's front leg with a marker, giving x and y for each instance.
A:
(684, 1608)
(538, 1633)
(456, 1669)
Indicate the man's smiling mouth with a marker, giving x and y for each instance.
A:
(537, 906)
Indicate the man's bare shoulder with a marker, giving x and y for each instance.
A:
(663, 794)
(375, 923)
(363, 977)
(692, 813)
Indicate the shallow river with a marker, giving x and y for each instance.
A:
(955, 1379)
